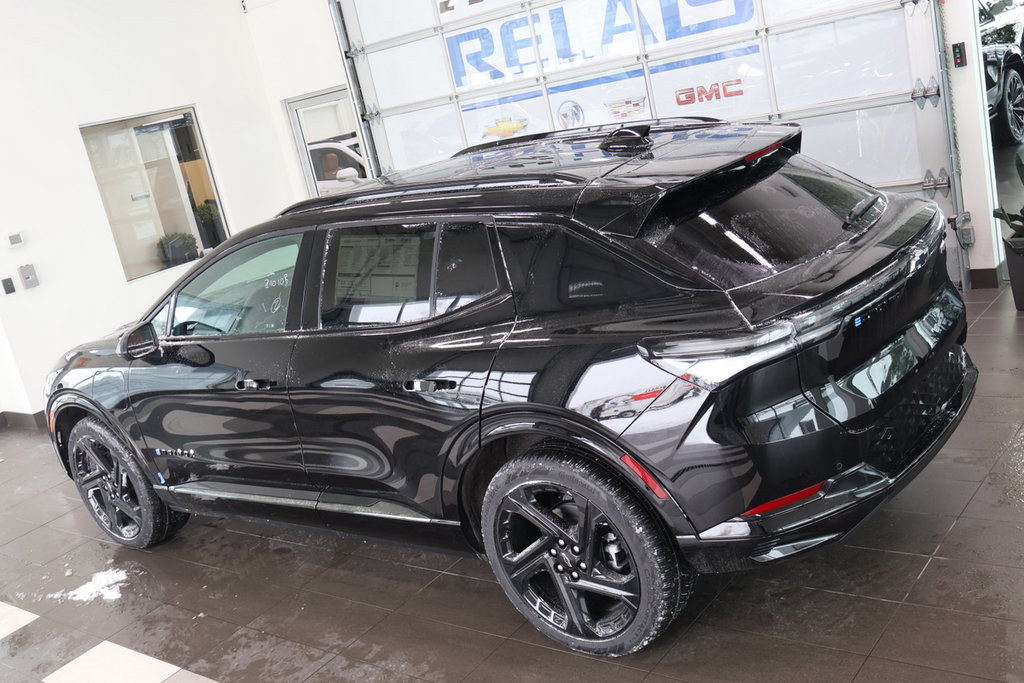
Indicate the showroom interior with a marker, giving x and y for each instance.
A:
(158, 132)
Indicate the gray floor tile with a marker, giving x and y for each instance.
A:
(708, 653)
(952, 641)
(983, 589)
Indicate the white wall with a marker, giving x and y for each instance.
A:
(69, 63)
(12, 392)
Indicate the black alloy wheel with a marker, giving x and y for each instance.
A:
(1011, 118)
(115, 490)
(579, 556)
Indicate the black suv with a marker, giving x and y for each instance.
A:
(608, 358)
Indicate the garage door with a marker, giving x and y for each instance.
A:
(862, 77)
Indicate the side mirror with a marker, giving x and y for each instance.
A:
(347, 173)
(139, 342)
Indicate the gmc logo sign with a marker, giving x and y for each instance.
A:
(715, 91)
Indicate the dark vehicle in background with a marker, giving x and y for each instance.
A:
(606, 358)
(1002, 38)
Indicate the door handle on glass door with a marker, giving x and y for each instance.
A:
(424, 385)
(254, 384)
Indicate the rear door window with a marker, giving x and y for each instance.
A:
(390, 274)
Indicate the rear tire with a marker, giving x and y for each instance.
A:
(115, 490)
(579, 555)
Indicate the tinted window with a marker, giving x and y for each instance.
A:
(465, 269)
(244, 292)
(555, 270)
(385, 274)
(378, 275)
(733, 230)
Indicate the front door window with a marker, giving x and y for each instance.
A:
(245, 292)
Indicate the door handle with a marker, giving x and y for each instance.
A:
(424, 385)
(254, 384)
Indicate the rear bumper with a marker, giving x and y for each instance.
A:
(843, 502)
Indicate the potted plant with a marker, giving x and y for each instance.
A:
(208, 219)
(177, 248)
(1013, 240)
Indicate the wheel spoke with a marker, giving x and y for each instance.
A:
(133, 512)
(571, 602)
(93, 456)
(524, 565)
(108, 507)
(91, 477)
(521, 503)
(592, 516)
(626, 592)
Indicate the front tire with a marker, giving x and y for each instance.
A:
(115, 490)
(1009, 123)
(579, 555)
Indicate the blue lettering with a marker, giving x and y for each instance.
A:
(743, 11)
(474, 59)
(514, 46)
(556, 17)
(612, 28)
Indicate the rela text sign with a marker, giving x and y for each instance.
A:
(572, 32)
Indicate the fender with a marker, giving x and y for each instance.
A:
(547, 421)
(70, 398)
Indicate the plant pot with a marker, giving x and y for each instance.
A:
(1015, 266)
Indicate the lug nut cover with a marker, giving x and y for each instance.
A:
(574, 576)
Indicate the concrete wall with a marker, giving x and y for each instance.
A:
(70, 63)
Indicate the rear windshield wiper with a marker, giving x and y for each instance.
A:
(859, 209)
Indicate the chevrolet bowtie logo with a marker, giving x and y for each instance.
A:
(505, 128)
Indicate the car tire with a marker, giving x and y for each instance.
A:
(1009, 123)
(580, 555)
(115, 490)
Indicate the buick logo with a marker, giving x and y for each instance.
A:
(570, 114)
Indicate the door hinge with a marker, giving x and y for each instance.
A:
(922, 93)
(911, 6)
(959, 220)
(933, 183)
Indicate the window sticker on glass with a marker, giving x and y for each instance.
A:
(378, 275)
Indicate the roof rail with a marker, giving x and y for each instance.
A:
(674, 123)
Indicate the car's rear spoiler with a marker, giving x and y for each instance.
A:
(620, 202)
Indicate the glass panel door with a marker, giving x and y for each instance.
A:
(325, 133)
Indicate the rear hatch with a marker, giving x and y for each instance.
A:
(791, 239)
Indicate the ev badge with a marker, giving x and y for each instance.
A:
(918, 257)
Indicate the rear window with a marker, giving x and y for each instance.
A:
(744, 225)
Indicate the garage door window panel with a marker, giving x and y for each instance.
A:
(852, 58)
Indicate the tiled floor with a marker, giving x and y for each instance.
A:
(930, 589)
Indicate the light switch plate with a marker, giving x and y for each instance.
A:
(28, 276)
